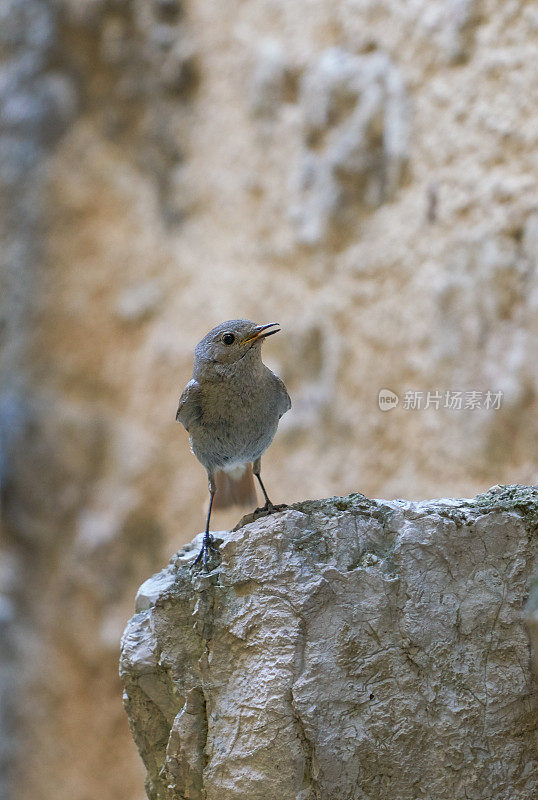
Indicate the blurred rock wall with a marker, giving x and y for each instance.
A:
(364, 172)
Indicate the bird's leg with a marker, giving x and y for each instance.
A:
(207, 543)
(268, 508)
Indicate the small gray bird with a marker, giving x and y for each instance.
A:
(231, 409)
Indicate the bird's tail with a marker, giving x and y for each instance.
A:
(235, 487)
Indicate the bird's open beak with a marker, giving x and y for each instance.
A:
(262, 332)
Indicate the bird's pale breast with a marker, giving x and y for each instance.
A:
(238, 421)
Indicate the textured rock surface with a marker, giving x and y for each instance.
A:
(345, 648)
(531, 619)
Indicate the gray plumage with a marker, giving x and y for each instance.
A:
(233, 403)
(231, 409)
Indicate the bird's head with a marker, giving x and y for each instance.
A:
(233, 340)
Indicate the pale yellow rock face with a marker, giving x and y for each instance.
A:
(363, 172)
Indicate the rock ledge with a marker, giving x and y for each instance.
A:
(344, 649)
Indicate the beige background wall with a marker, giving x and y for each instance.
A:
(364, 172)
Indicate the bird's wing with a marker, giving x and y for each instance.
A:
(189, 409)
(285, 402)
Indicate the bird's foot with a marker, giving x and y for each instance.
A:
(264, 511)
(208, 550)
(267, 509)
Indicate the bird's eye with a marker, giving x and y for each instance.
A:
(228, 338)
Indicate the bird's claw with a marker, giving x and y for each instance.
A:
(267, 509)
(208, 547)
(264, 511)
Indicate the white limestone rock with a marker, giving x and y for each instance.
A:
(344, 648)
